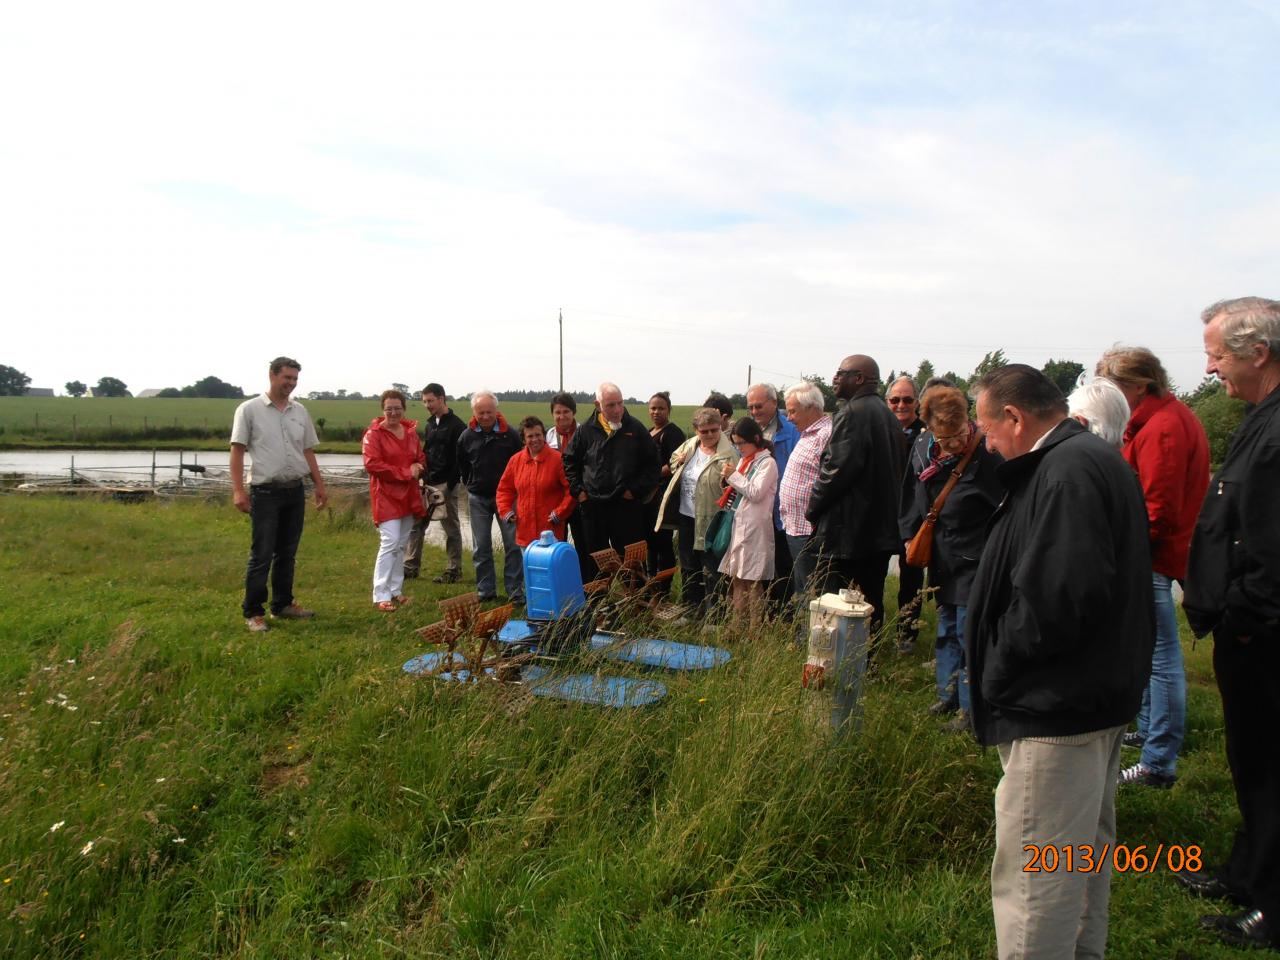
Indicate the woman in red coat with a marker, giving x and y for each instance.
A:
(534, 490)
(394, 460)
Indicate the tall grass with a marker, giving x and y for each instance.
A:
(295, 794)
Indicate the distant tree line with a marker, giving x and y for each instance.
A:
(208, 387)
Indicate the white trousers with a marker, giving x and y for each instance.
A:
(388, 568)
(1058, 792)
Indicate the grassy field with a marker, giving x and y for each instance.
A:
(171, 786)
(42, 422)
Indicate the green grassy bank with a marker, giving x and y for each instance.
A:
(171, 786)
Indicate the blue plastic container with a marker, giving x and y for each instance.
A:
(552, 579)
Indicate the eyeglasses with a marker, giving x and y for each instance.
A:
(895, 401)
(755, 406)
(943, 437)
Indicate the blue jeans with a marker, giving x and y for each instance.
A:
(1163, 717)
(952, 677)
(275, 518)
(483, 511)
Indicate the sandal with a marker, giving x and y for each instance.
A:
(403, 600)
(387, 606)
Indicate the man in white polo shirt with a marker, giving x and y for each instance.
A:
(280, 438)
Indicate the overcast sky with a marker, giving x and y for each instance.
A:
(411, 192)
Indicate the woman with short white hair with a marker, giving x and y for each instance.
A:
(1101, 406)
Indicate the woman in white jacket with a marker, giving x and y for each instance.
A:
(751, 489)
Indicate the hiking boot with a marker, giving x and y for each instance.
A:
(1134, 739)
(944, 707)
(293, 612)
(1141, 776)
(449, 576)
(959, 723)
(256, 624)
(906, 646)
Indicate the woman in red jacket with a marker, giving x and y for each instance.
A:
(394, 460)
(533, 489)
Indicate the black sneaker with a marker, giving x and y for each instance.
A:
(1141, 776)
(449, 576)
(1133, 739)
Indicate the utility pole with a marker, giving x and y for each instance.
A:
(748, 376)
(562, 349)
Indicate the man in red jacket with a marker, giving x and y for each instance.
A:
(1165, 443)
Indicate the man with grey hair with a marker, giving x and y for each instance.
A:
(612, 466)
(1059, 637)
(762, 404)
(804, 403)
(1233, 591)
(484, 449)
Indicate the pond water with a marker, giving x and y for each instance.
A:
(134, 464)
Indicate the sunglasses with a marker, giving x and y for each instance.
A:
(895, 401)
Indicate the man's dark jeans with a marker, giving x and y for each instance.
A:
(275, 517)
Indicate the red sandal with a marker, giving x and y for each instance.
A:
(387, 606)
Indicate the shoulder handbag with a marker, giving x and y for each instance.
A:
(720, 530)
(920, 549)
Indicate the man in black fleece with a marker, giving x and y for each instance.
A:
(612, 465)
(1059, 640)
(484, 449)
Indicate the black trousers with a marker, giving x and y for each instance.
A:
(275, 519)
(910, 583)
(611, 523)
(868, 573)
(779, 589)
(700, 579)
(1249, 680)
(662, 549)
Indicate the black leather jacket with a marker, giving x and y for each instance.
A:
(854, 504)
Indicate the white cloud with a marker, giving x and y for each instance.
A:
(192, 191)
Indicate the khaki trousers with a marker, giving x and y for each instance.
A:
(1057, 791)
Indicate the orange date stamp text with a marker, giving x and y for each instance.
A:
(1122, 858)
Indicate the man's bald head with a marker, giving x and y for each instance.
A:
(856, 375)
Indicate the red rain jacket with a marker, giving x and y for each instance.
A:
(393, 491)
(533, 487)
(1165, 443)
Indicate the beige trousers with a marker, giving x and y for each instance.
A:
(1058, 791)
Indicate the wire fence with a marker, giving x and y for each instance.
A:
(187, 476)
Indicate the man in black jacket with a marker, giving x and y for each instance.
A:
(484, 449)
(440, 441)
(854, 504)
(1059, 638)
(1233, 590)
(612, 466)
(903, 404)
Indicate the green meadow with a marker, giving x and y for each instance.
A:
(172, 786)
(205, 424)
